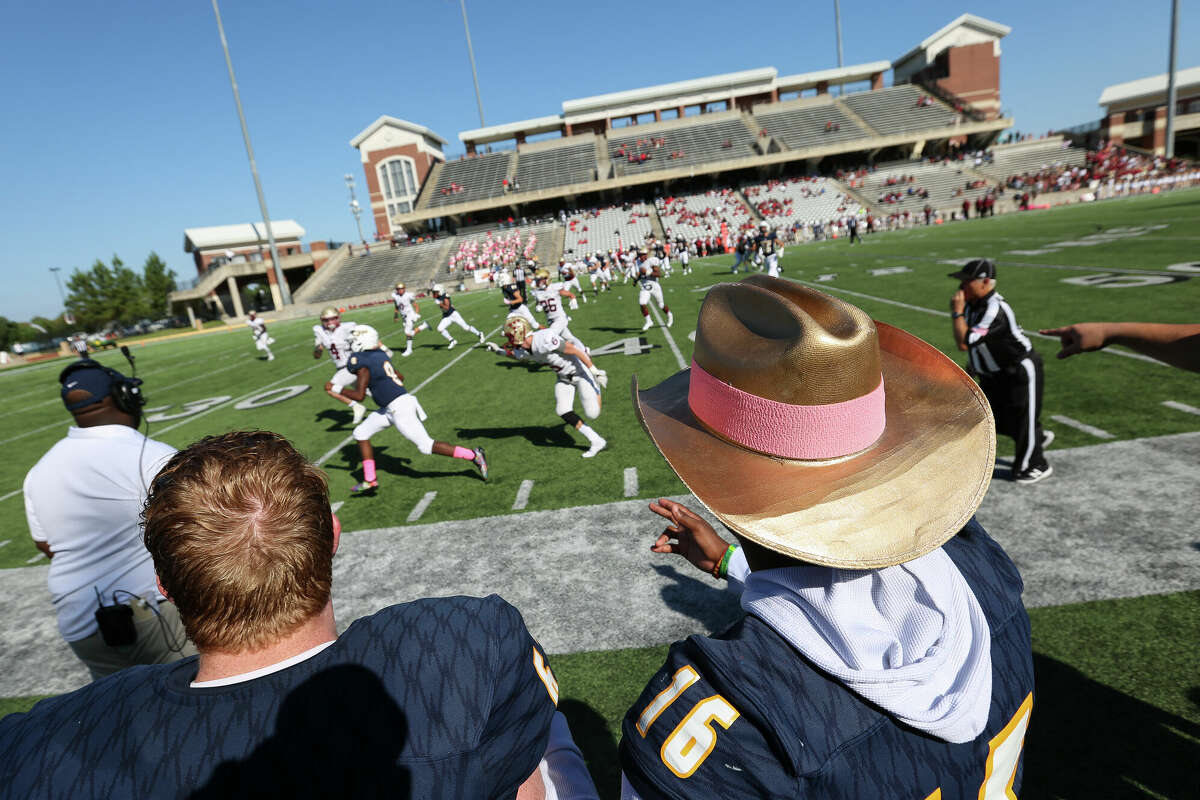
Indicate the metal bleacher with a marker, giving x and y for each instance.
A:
(941, 180)
(695, 215)
(804, 200)
(894, 111)
(698, 143)
(627, 226)
(1024, 157)
(379, 271)
(477, 178)
(803, 127)
(559, 166)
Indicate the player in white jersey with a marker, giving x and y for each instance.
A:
(685, 257)
(334, 335)
(548, 297)
(569, 274)
(451, 315)
(261, 340)
(648, 287)
(627, 268)
(576, 375)
(407, 308)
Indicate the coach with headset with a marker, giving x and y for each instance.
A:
(83, 500)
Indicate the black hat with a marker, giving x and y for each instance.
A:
(975, 269)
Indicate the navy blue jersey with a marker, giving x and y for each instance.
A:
(511, 292)
(743, 714)
(445, 304)
(767, 243)
(447, 697)
(383, 381)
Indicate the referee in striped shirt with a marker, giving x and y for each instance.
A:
(1003, 360)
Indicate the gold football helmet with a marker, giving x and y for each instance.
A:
(541, 278)
(330, 318)
(400, 287)
(517, 329)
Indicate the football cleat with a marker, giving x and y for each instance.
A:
(601, 378)
(595, 448)
(670, 319)
(359, 410)
(365, 486)
(481, 337)
(330, 318)
(646, 324)
(480, 460)
(451, 343)
(1033, 475)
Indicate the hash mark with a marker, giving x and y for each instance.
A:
(1099, 433)
(420, 507)
(522, 495)
(631, 482)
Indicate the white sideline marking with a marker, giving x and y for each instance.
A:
(13, 493)
(6, 542)
(1099, 433)
(670, 339)
(334, 508)
(420, 507)
(38, 557)
(57, 424)
(1184, 407)
(334, 451)
(631, 482)
(924, 310)
(522, 495)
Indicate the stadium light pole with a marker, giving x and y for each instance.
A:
(1170, 151)
(284, 292)
(837, 23)
(355, 208)
(471, 54)
(58, 280)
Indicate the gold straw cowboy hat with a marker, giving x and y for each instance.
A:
(810, 429)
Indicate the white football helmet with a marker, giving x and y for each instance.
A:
(438, 290)
(363, 337)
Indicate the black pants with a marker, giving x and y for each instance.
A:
(854, 234)
(1015, 394)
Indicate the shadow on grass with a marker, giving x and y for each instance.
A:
(338, 420)
(424, 466)
(714, 608)
(1089, 740)
(612, 329)
(537, 435)
(509, 363)
(590, 731)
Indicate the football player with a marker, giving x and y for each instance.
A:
(575, 373)
(569, 277)
(768, 244)
(407, 308)
(334, 335)
(514, 298)
(648, 274)
(548, 296)
(685, 258)
(261, 340)
(449, 315)
(373, 370)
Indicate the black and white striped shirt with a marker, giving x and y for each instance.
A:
(994, 339)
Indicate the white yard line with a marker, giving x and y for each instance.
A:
(235, 401)
(1099, 433)
(420, 507)
(631, 482)
(658, 318)
(62, 423)
(522, 495)
(36, 558)
(13, 493)
(6, 542)
(1184, 407)
(946, 314)
(336, 448)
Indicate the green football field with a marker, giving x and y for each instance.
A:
(1130, 259)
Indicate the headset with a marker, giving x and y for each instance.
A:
(125, 392)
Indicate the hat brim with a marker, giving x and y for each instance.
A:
(901, 498)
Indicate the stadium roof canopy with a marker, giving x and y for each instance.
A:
(1149, 91)
(714, 88)
(395, 122)
(240, 235)
(966, 29)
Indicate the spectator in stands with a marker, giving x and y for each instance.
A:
(448, 696)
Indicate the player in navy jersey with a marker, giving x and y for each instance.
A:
(373, 371)
(435, 698)
(885, 651)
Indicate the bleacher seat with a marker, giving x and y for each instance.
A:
(804, 200)
(381, 270)
(467, 180)
(559, 166)
(698, 143)
(803, 127)
(1024, 157)
(696, 215)
(941, 180)
(895, 111)
(607, 229)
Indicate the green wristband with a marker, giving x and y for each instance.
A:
(723, 567)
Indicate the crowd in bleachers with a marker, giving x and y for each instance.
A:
(499, 249)
(694, 215)
(608, 228)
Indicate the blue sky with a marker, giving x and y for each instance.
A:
(121, 129)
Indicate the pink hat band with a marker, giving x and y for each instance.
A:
(782, 429)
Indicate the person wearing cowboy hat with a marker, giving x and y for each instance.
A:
(884, 650)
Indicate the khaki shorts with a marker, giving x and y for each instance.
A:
(157, 643)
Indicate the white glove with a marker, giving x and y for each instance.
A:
(493, 347)
(601, 377)
(387, 350)
(573, 305)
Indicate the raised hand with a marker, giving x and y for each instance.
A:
(694, 538)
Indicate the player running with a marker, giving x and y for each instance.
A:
(575, 372)
(334, 335)
(449, 315)
(648, 287)
(569, 278)
(549, 301)
(685, 257)
(768, 244)
(373, 370)
(407, 308)
(514, 297)
(261, 340)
